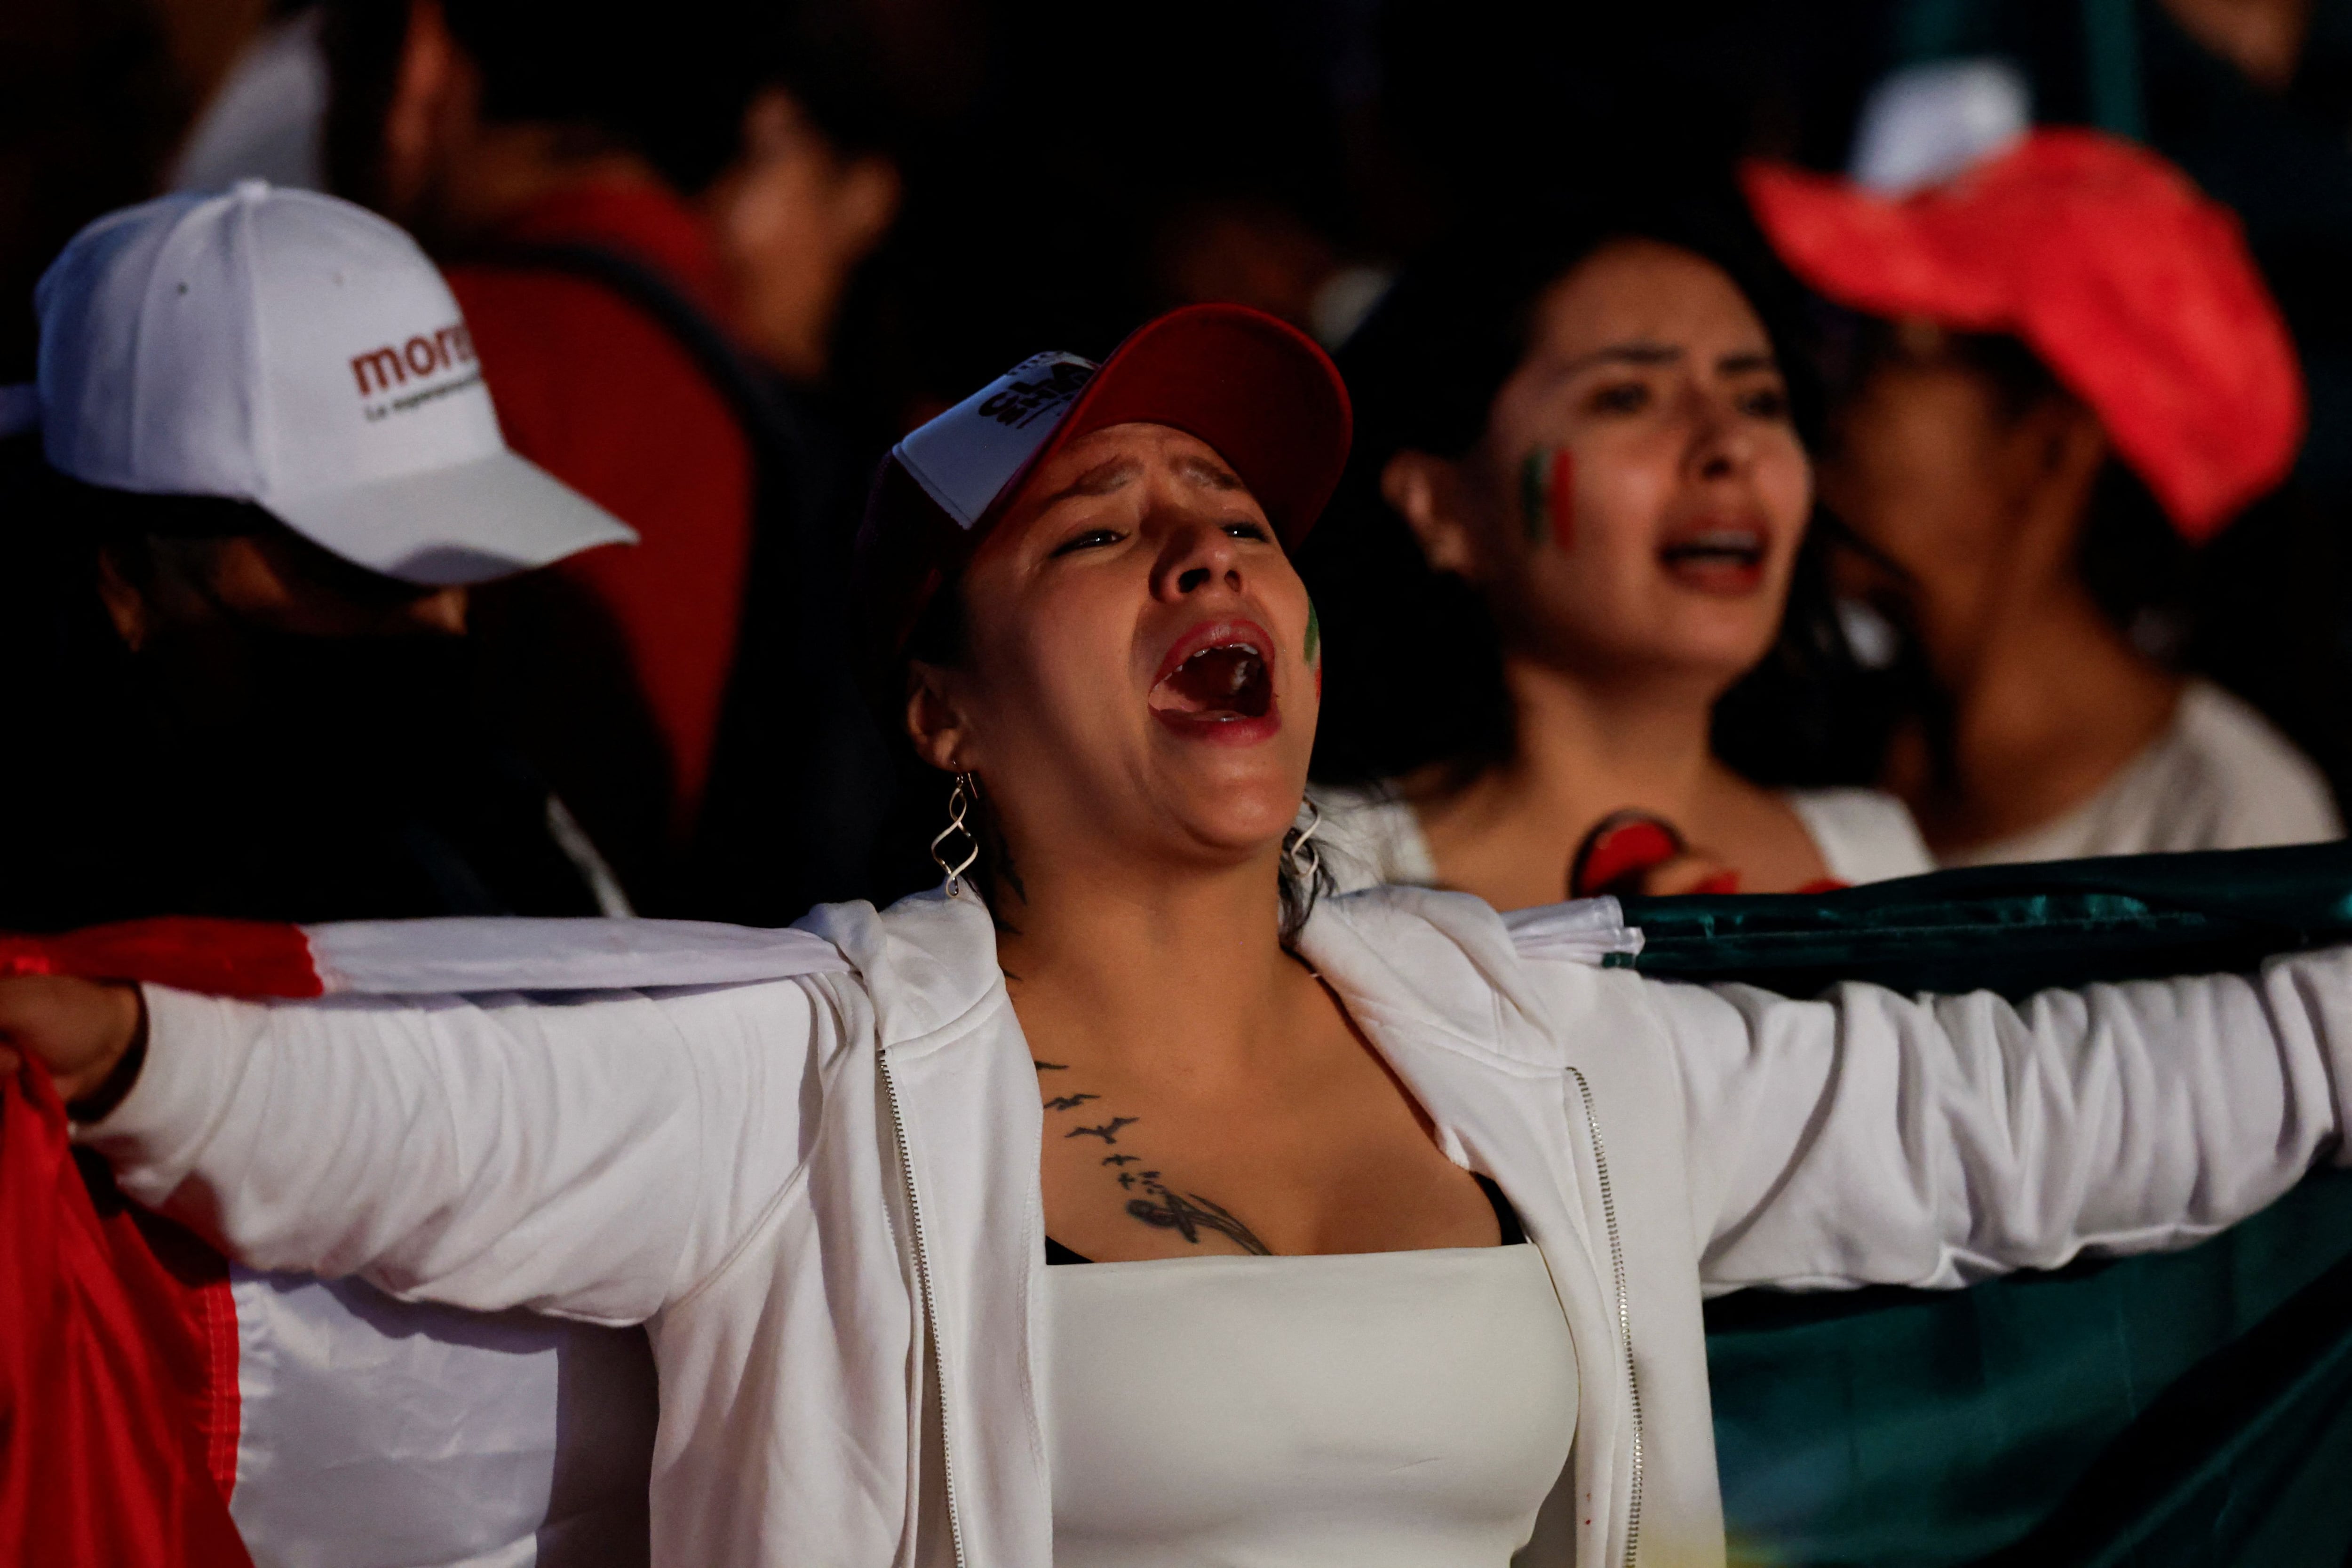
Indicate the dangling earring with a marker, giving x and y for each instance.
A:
(1304, 858)
(961, 799)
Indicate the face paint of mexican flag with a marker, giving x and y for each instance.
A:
(1315, 646)
(1548, 496)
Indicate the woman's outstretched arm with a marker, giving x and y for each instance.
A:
(592, 1157)
(1873, 1137)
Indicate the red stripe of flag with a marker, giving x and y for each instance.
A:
(220, 958)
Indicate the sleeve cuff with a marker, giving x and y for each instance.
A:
(152, 1135)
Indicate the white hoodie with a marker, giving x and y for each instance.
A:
(820, 1193)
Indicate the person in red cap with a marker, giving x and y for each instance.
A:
(2064, 339)
(1583, 494)
(1383, 1220)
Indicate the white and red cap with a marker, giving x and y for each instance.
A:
(296, 351)
(1255, 387)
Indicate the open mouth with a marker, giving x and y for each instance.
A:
(1217, 683)
(1720, 558)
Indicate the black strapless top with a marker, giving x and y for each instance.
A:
(1506, 1220)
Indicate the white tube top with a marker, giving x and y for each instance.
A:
(1407, 1408)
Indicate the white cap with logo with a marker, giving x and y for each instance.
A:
(965, 457)
(296, 351)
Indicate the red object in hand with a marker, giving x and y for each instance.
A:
(118, 1364)
(1620, 849)
(119, 1407)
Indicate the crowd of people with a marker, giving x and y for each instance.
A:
(519, 471)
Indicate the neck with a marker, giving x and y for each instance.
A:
(1586, 746)
(1181, 967)
(2020, 748)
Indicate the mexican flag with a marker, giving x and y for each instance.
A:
(2186, 1408)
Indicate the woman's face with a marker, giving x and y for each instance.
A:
(794, 218)
(1966, 496)
(1637, 500)
(1143, 668)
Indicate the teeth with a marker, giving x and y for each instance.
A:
(1745, 546)
(1222, 682)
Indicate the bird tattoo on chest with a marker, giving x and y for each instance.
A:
(1154, 1203)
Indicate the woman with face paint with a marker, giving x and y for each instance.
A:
(1589, 429)
(1131, 1200)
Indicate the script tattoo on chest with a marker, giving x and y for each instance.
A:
(1158, 1205)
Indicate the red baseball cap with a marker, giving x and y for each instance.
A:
(1255, 387)
(2134, 290)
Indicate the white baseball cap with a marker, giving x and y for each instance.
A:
(296, 351)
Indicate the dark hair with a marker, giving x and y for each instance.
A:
(1424, 370)
(824, 54)
(668, 81)
(943, 636)
(139, 531)
(107, 515)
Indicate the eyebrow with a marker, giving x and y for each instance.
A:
(1116, 473)
(1099, 480)
(1202, 471)
(1625, 354)
(1646, 353)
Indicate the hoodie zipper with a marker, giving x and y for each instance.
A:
(1625, 1312)
(931, 1317)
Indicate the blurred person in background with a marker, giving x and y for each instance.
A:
(804, 782)
(270, 452)
(266, 118)
(1215, 168)
(811, 195)
(2067, 356)
(2251, 99)
(548, 162)
(1610, 600)
(293, 734)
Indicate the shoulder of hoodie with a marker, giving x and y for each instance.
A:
(1515, 986)
(1520, 986)
(926, 966)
